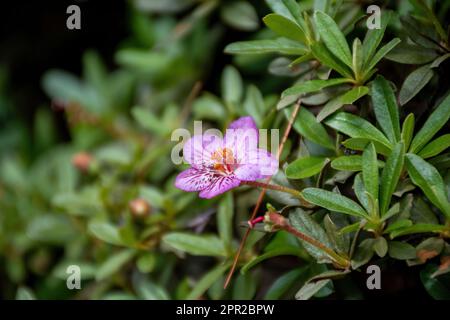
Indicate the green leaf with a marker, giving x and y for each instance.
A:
(149, 121)
(418, 228)
(333, 38)
(370, 170)
(436, 63)
(201, 245)
(391, 175)
(340, 241)
(305, 167)
(162, 6)
(385, 108)
(380, 246)
(357, 58)
(373, 38)
(240, 15)
(280, 45)
(432, 17)
(434, 123)
(415, 82)
(232, 87)
(254, 104)
(360, 192)
(408, 130)
(312, 86)
(435, 147)
(384, 50)
(419, 33)
(401, 250)
(361, 143)
(287, 251)
(411, 54)
(284, 283)
(437, 288)
(356, 127)
(25, 293)
(310, 289)
(106, 232)
(350, 163)
(287, 8)
(207, 281)
(347, 163)
(208, 107)
(149, 290)
(333, 202)
(322, 54)
(303, 222)
(338, 102)
(114, 263)
(395, 209)
(427, 178)
(244, 287)
(363, 253)
(285, 27)
(225, 215)
(307, 125)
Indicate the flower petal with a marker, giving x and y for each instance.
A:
(265, 161)
(248, 172)
(246, 123)
(242, 138)
(194, 180)
(197, 150)
(219, 185)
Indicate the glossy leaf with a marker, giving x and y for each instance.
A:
(427, 178)
(333, 38)
(322, 54)
(415, 82)
(200, 245)
(382, 52)
(385, 108)
(285, 27)
(356, 127)
(333, 202)
(338, 102)
(240, 15)
(280, 45)
(307, 125)
(207, 281)
(434, 123)
(303, 222)
(312, 86)
(435, 147)
(225, 213)
(408, 130)
(391, 175)
(370, 170)
(401, 250)
(305, 167)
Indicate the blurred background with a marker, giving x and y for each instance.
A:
(86, 177)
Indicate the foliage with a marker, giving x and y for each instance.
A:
(365, 166)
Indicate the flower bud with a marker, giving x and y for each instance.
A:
(82, 161)
(139, 208)
(274, 221)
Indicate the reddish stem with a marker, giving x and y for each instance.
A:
(252, 223)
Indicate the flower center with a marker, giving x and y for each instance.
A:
(223, 160)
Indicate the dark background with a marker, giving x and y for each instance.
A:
(34, 38)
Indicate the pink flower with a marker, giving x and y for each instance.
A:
(218, 165)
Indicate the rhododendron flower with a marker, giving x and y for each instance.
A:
(218, 165)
